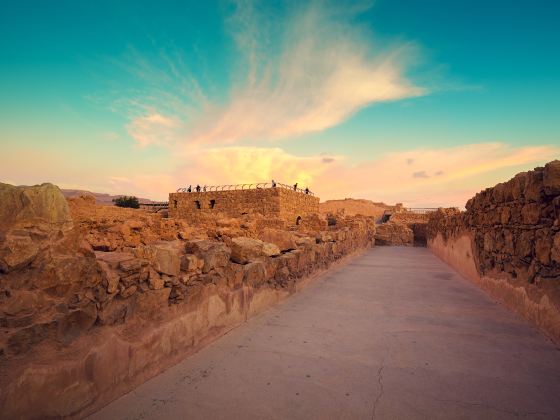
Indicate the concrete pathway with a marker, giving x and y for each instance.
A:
(395, 334)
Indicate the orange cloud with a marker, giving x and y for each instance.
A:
(450, 175)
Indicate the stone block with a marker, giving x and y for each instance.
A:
(214, 254)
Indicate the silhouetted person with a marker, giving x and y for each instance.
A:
(204, 188)
(198, 188)
(295, 186)
(273, 184)
(306, 190)
(189, 189)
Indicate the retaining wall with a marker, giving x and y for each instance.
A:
(508, 242)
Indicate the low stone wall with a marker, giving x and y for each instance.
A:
(89, 312)
(508, 242)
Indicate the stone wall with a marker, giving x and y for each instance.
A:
(508, 241)
(93, 309)
(278, 202)
(404, 228)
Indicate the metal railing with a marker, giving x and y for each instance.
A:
(418, 210)
(239, 187)
(155, 206)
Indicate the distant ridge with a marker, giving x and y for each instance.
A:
(353, 206)
(101, 198)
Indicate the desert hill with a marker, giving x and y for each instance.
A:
(100, 198)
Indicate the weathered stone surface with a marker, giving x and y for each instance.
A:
(165, 258)
(514, 235)
(284, 240)
(76, 323)
(132, 265)
(555, 253)
(115, 312)
(255, 273)
(394, 234)
(152, 302)
(113, 259)
(155, 281)
(16, 252)
(42, 206)
(22, 302)
(551, 178)
(191, 263)
(244, 250)
(214, 254)
(142, 275)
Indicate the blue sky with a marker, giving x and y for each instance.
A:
(424, 102)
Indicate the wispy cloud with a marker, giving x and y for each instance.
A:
(319, 70)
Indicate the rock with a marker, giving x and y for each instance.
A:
(305, 241)
(531, 213)
(394, 234)
(41, 206)
(110, 277)
(132, 265)
(155, 281)
(76, 322)
(244, 250)
(534, 187)
(284, 240)
(254, 273)
(129, 291)
(113, 259)
(270, 250)
(150, 304)
(115, 312)
(551, 178)
(22, 302)
(165, 258)
(191, 263)
(22, 340)
(543, 245)
(214, 254)
(17, 252)
(555, 253)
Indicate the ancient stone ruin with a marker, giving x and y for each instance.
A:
(508, 242)
(94, 300)
(282, 203)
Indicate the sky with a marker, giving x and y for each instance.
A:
(424, 102)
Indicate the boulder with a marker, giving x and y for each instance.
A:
(551, 178)
(164, 258)
(284, 240)
(244, 250)
(40, 206)
(214, 254)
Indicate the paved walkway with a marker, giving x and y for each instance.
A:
(395, 334)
